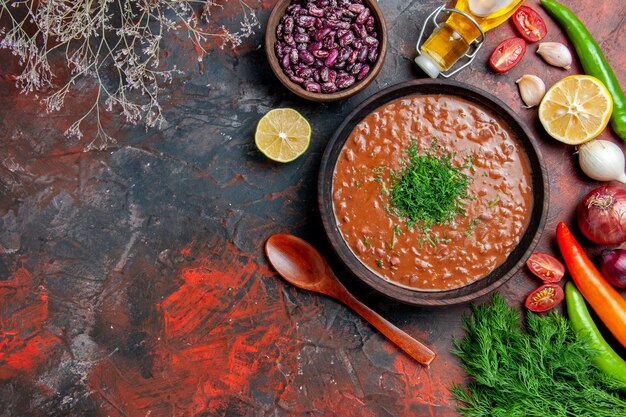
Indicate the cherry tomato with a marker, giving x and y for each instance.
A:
(507, 54)
(529, 24)
(544, 298)
(546, 267)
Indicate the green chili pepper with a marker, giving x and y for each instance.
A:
(606, 359)
(592, 60)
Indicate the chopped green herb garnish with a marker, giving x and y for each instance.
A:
(396, 232)
(357, 184)
(471, 228)
(378, 170)
(383, 187)
(430, 189)
(367, 242)
(494, 202)
(379, 263)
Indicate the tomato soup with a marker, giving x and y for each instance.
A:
(469, 244)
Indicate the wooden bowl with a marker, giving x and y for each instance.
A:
(498, 276)
(270, 39)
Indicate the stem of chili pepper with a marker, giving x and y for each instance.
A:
(605, 358)
(593, 61)
(603, 298)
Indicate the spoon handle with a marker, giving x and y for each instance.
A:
(411, 346)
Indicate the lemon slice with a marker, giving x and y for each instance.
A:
(283, 135)
(576, 109)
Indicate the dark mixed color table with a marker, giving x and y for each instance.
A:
(133, 280)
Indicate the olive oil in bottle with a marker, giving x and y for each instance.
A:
(452, 39)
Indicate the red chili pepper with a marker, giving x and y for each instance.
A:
(608, 304)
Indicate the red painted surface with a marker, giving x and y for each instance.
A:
(25, 341)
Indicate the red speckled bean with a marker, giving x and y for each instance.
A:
(346, 39)
(306, 57)
(315, 11)
(331, 58)
(370, 24)
(362, 55)
(312, 86)
(329, 87)
(305, 21)
(314, 46)
(293, 9)
(288, 38)
(371, 41)
(356, 68)
(359, 30)
(316, 75)
(372, 56)
(285, 62)
(344, 81)
(364, 71)
(329, 42)
(278, 50)
(294, 56)
(362, 17)
(302, 37)
(304, 72)
(354, 55)
(356, 8)
(320, 53)
(322, 33)
(288, 25)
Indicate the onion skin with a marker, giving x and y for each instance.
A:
(601, 215)
(613, 267)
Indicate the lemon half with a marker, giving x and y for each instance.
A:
(576, 109)
(283, 135)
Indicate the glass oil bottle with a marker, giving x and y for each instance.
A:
(465, 26)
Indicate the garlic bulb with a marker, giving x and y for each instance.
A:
(531, 89)
(555, 53)
(602, 160)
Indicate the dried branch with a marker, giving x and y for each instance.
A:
(117, 43)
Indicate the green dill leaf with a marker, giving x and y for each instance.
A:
(379, 263)
(471, 227)
(494, 202)
(542, 369)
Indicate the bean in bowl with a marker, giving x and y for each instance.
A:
(326, 45)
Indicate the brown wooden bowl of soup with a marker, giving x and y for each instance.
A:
(433, 192)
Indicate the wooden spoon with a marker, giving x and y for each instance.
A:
(300, 264)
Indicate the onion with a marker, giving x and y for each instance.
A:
(613, 267)
(601, 215)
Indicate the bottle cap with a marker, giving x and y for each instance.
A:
(428, 65)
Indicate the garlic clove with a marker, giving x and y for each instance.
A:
(555, 53)
(531, 89)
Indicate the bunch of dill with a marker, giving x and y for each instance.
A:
(541, 370)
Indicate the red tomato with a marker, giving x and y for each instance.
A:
(529, 24)
(544, 298)
(546, 267)
(507, 54)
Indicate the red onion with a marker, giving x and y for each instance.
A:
(613, 267)
(601, 215)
